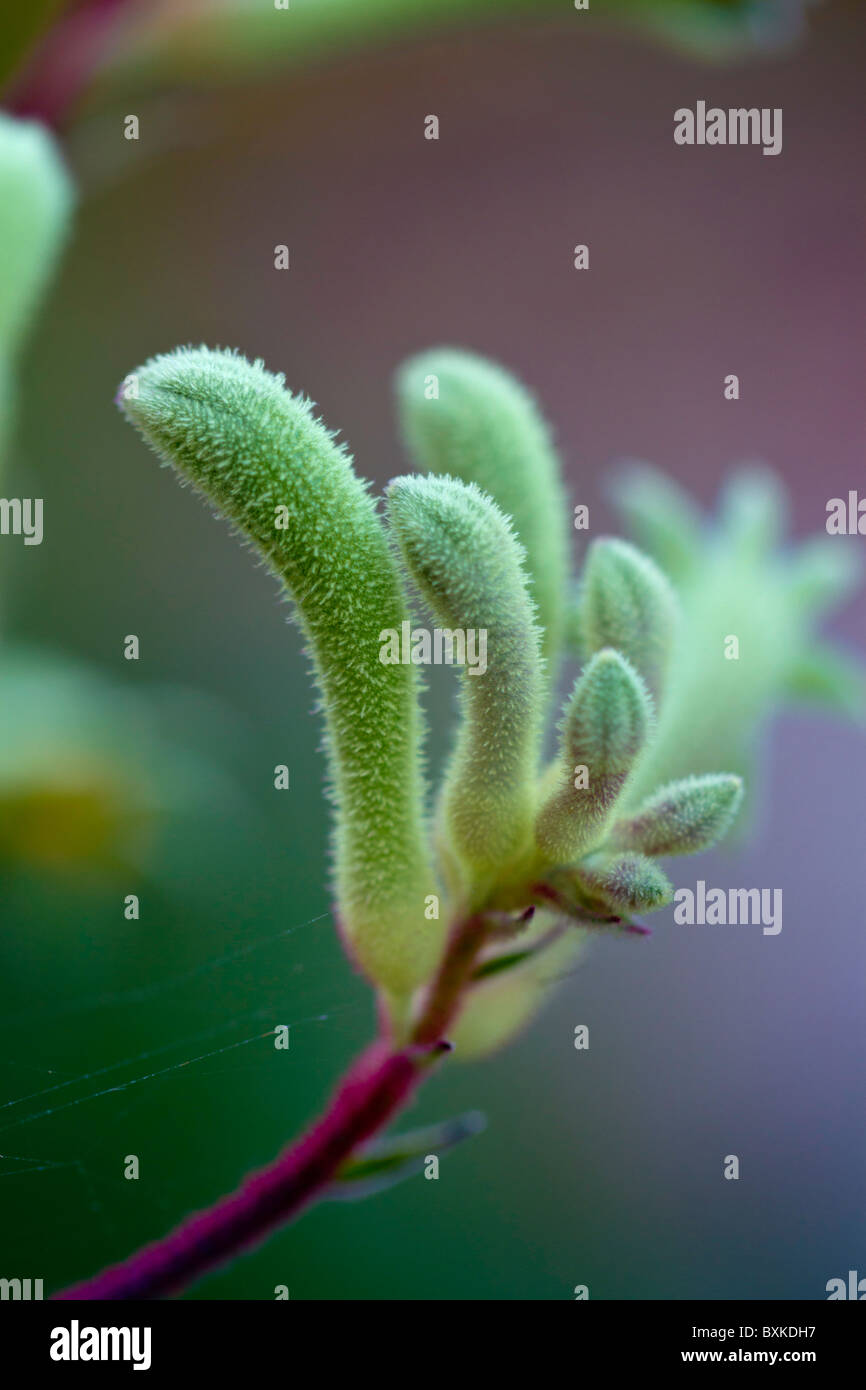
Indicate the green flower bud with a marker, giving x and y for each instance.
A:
(628, 882)
(627, 603)
(464, 416)
(462, 553)
(604, 729)
(683, 817)
(264, 459)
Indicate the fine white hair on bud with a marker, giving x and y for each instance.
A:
(603, 731)
(463, 555)
(627, 603)
(467, 417)
(683, 817)
(262, 456)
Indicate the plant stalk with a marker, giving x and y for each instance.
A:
(376, 1087)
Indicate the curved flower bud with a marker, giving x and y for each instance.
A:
(629, 882)
(262, 456)
(683, 817)
(604, 728)
(463, 555)
(465, 416)
(627, 603)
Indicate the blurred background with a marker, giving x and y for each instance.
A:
(601, 1167)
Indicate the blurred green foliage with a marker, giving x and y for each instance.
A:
(748, 642)
(87, 772)
(227, 40)
(230, 36)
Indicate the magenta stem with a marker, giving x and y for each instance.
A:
(63, 63)
(379, 1083)
(376, 1087)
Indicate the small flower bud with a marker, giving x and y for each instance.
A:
(462, 553)
(264, 459)
(627, 603)
(629, 882)
(604, 728)
(683, 817)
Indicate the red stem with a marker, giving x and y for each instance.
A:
(444, 996)
(64, 61)
(378, 1084)
(375, 1088)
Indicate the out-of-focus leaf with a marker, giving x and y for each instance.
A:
(230, 38)
(24, 21)
(90, 774)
